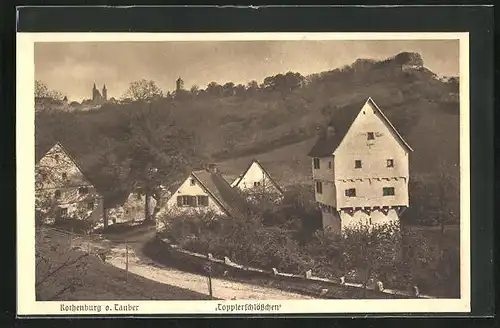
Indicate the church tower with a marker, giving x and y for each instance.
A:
(179, 84)
(105, 93)
(94, 93)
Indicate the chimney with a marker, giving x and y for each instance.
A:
(320, 132)
(330, 131)
(212, 168)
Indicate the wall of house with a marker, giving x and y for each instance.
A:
(369, 193)
(331, 220)
(374, 174)
(189, 189)
(324, 175)
(372, 153)
(374, 217)
(324, 172)
(328, 195)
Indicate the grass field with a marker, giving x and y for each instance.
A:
(93, 279)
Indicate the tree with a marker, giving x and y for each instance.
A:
(143, 90)
(228, 89)
(194, 89)
(43, 91)
(446, 195)
(252, 86)
(371, 250)
(159, 151)
(214, 89)
(239, 90)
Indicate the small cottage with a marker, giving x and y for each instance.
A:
(62, 191)
(256, 180)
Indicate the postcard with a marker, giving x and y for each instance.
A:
(242, 173)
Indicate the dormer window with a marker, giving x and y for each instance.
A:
(357, 164)
(370, 136)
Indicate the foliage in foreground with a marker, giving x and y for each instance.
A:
(398, 257)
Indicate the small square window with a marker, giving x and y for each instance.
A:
(83, 190)
(256, 184)
(388, 191)
(370, 136)
(357, 164)
(64, 175)
(390, 163)
(193, 182)
(56, 157)
(319, 187)
(63, 211)
(90, 205)
(57, 194)
(351, 192)
(316, 163)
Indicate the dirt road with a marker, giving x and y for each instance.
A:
(222, 289)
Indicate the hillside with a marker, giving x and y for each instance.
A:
(277, 121)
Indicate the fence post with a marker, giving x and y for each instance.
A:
(126, 261)
(208, 270)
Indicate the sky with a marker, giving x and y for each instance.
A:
(73, 67)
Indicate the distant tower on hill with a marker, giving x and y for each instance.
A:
(97, 97)
(179, 84)
(104, 93)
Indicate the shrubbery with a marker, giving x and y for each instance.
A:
(276, 239)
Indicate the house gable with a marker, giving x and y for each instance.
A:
(343, 119)
(192, 186)
(371, 119)
(58, 169)
(368, 146)
(256, 174)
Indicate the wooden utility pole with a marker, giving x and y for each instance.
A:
(126, 261)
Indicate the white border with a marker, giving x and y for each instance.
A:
(25, 150)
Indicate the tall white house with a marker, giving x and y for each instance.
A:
(360, 168)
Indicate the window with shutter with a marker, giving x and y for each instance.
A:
(202, 200)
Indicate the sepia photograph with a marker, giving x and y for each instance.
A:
(253, 169)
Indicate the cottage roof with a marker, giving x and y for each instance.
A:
(39, 155)
(342, 120)
(215, 185)
(263, 169)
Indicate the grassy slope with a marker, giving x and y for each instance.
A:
(102, 281)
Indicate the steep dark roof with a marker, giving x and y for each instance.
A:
(228, 198)
(39, 155)
(341, 122)
(264, 170)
